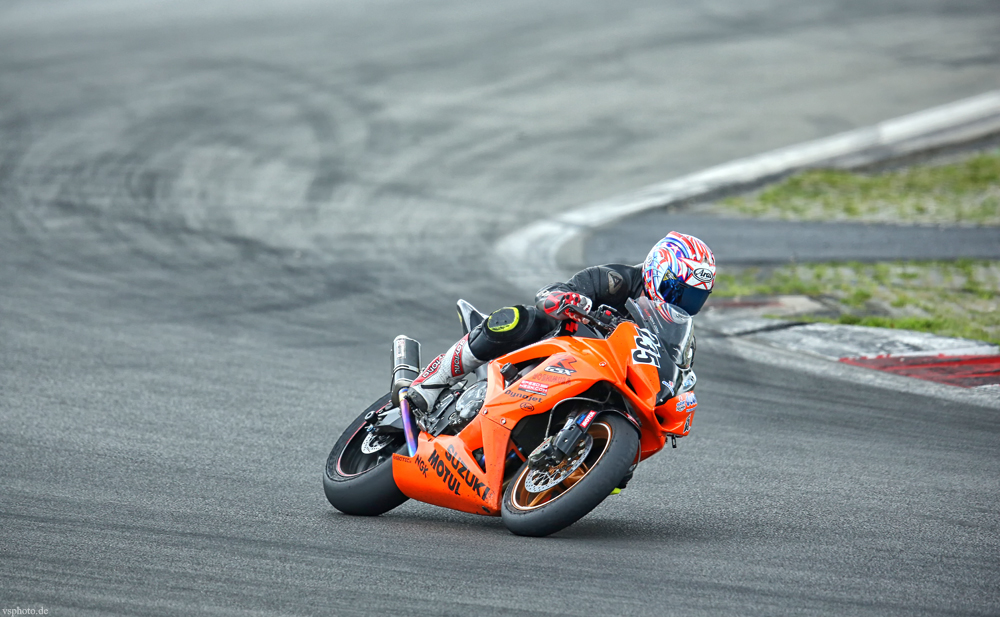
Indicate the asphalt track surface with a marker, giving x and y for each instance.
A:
(214, 218)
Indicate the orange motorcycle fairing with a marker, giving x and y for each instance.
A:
(444, 471)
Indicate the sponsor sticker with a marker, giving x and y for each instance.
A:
(686, 401)
(562, 367)
(552, 379)
(422, 465)
(438, 466)
(471, 480)
(533, 386)
(521, 395)
(585, 421)
(525, 405)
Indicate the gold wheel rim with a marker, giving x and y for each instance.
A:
(521, 499)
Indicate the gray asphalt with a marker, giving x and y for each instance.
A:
(744, 241)
(214, 217)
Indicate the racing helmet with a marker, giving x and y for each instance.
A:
(680, 269)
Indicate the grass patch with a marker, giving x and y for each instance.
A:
(963, 192)
(959, 298)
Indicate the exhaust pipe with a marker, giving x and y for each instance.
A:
(405, 365)
(405, 368)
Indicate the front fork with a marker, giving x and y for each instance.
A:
(385, 422)
(556, 448)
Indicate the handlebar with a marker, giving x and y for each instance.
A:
(603, 318)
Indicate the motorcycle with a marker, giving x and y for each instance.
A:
(539, 436)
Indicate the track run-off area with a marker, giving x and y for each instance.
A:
(215, 216)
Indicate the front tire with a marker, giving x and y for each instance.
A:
(358, 480)
(542, 513)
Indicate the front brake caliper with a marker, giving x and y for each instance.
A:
(555, 449)
(544, 456)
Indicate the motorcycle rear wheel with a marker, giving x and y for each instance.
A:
(359, 482)
(539, 514)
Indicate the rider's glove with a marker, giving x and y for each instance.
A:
(565, 305)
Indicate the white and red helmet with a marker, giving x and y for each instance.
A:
(680, 269)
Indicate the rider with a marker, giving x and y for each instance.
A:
(680, 269)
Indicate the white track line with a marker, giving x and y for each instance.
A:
(528, 256)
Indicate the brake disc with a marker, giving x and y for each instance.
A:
(538, 481)
(374, 442)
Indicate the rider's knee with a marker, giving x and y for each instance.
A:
(504, 331)
(510, 323)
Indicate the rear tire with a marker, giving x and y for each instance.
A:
(616, 442)
(361, 483)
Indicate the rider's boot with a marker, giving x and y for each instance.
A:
(445, 370)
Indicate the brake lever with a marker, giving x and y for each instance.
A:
(596, 318)
(605, 322)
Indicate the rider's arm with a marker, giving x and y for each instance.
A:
(610, 284)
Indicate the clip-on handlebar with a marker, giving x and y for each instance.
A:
(603, 318)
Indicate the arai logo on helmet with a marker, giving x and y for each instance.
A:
(704, 275)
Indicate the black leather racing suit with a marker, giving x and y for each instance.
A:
(513, 327)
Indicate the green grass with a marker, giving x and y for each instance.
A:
(964, 192)
(960, 298)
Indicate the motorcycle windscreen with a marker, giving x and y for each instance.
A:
(671, 325)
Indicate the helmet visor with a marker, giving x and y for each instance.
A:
(688, 298)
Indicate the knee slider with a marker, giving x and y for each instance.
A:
(502, 332)
(502, 323)
(510, 323)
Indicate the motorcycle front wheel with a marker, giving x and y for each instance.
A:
(358, 475)
(543, 509)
